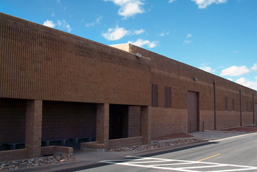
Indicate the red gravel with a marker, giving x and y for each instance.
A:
(242, 129)
(173, 136)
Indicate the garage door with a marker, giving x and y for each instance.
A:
(192, 108)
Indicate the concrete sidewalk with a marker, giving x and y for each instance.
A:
(212, 135)
(92, 159)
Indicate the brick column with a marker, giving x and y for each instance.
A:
(33, 132)
(146, 124)
(102, 124)
(134, 121)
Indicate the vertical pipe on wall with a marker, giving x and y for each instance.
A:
(215, 104)
(240, 92)
(253, 108)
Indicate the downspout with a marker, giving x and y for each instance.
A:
(240, 92)
(215, 104)
(253, 105)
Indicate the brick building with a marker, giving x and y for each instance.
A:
(59, 88)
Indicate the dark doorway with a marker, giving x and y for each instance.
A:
(118, 121)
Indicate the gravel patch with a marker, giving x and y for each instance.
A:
(35, 162)
(156, 145)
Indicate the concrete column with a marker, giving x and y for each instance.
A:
(33, 132)
(102, 124)
(215, 105)
(146, 124)
(240, 92)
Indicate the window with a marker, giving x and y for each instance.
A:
(246, 105)
(154, 95)
(167, 97)
(251, 106)
(233, 104)
(226, 103)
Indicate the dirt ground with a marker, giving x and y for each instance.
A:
(242, 129)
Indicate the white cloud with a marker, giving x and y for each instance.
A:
(230, 79)
(52, 14)
(235, 71)
(189, 35)
(164, 33)
(115, 33)
(64, 25)
(204, 3)
(247, 83)
(170, 1)
(137, 32)
(119, 32)
(129, 8)
(207, 68)
(254, 67)
(186, 42)
(49, 23)
(59, 23)
(97, 21)
(89, 24)
(68, 27)
(141, 43)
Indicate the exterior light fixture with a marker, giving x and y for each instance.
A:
(195, 79)
(138, 55)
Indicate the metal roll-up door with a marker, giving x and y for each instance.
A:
(192, 108)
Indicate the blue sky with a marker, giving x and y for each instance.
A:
(218, 36)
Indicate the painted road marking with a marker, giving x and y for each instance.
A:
(178, 165)
(209, 157)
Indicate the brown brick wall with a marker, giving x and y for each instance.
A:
(62, 120)
(166, 121)
(38, 62)
(125, 142)
(42, 63)
(207, 116)
(247, 118)
(227, 119)
(12, 120)
(179, 76)
(13, 155)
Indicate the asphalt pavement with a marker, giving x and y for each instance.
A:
(228, 151)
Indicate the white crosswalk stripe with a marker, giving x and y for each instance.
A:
(179, 165)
